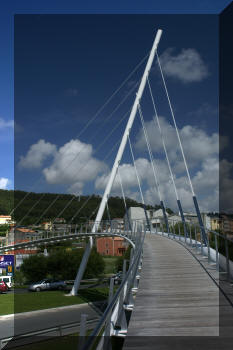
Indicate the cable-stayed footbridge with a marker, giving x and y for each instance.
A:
(172, 284)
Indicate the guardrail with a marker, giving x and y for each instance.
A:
(113, 320)
(59, 330)
(105, 228)
(219, 247)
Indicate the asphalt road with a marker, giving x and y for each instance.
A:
(36, 320)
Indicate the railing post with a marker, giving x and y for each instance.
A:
(185, 235)
(208, 246)
(190, 235)
(227, 259)
(121, 319)
(195, 232)
(107, 332)
(201, 243)
(82, 332)
(179, 230)
(216, 250)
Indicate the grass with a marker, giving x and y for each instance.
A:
(58, 343)
(23, 302)
(110, 263)
(69, 342)
(6, 304)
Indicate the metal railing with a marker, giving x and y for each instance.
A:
(58, 330)
(113, 321)
(219, 247)
(105, 228)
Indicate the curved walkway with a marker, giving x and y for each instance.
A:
(176, 297)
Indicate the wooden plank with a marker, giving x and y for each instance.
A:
(176, 297)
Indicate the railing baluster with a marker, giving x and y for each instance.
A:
(195, 232)
(227, 259)
(82, 332)
(216, 250)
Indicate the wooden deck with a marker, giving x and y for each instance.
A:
(176, 297)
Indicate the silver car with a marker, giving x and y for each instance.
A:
(47, 284)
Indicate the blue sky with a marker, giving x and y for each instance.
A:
(67, 66)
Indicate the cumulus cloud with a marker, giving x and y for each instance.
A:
(73, 165)
(4, 182)
(127, 174)
(187, 66)
(37, 154)
(201, 152)
(197, 144)
(6, 123)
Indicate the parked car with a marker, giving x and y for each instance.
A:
(7, 280)
(3, 287)
(47, 284)
(118, 278)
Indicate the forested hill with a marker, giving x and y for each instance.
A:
(10, 199)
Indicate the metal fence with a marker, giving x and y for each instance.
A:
(219, 247)
(113, 321)
(47, 333)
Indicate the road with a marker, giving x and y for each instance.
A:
(36, 320)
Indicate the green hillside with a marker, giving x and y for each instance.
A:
(35, 204)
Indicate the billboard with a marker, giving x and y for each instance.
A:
(7, 264)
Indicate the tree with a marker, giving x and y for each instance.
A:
(95, 265)
(19, 277)
(120, 259)
(34, 268)
(62, 264)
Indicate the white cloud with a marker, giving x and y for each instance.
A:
(197, 144)
(187, 66)
(37, 154)
(6, 123)
(74, 165)
(127, 174)
(201, 152)
(4, 182)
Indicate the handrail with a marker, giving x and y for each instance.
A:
(108, 310)
(42, 331)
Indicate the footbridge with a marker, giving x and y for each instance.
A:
(178, 280)
(175, 285)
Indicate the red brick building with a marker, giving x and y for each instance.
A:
(115, 246)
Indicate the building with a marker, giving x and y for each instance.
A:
(21, 235)
(59, 221)
(226, 224)
(118, 224)
(155, 216)
(5, 220)
(215, 222)
(47, 225)
(191, 218)
(174, 219)
(115, 246)
(206, 221)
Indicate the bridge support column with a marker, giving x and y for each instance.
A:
(82, 268)
(203, 233)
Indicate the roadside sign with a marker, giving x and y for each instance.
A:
(7, 264)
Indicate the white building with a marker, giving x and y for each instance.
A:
(5, 219)
(137, 213)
